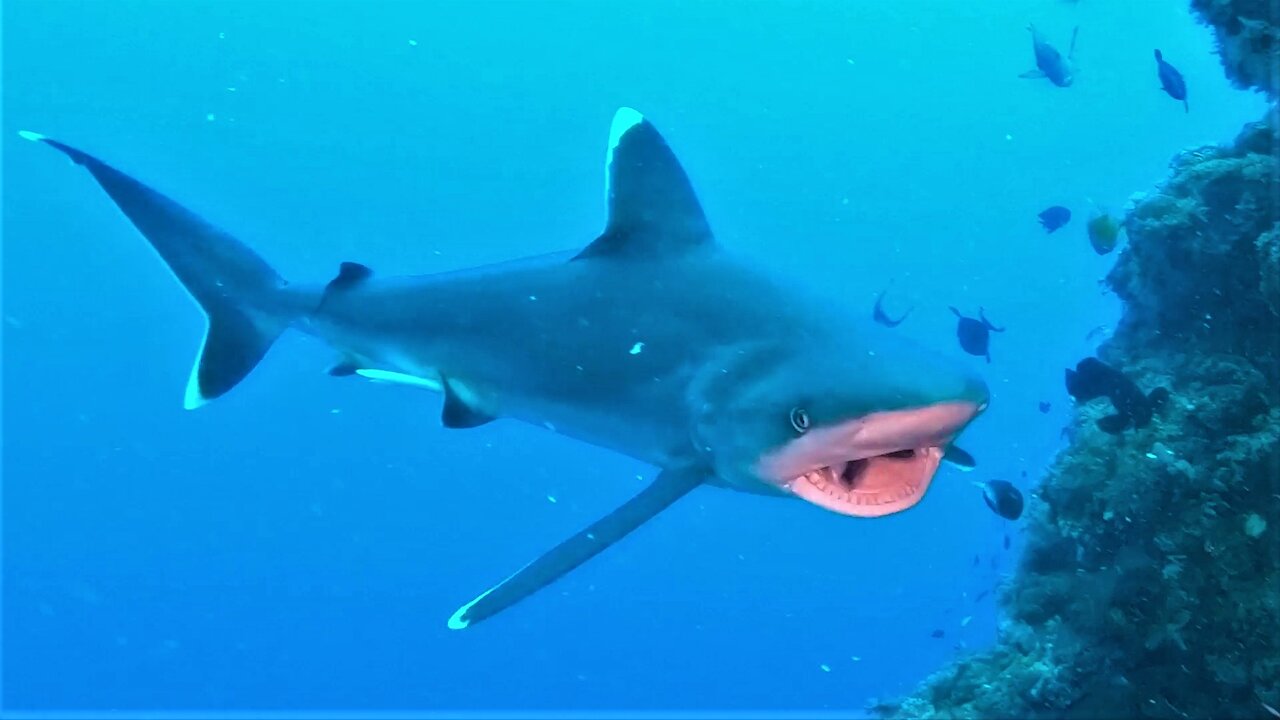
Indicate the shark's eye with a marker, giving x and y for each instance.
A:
(799, 420)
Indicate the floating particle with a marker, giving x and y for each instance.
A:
(413, 43)
(210, 117)
(825, 667)
(551, 499)
(635, 349)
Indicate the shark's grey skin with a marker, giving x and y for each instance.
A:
(652, 341)
(1049, 62)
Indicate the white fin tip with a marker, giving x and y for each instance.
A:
(32, 136)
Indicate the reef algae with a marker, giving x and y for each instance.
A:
(1248, 41)
(1150, 583)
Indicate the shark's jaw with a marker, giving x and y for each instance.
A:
(874, 465)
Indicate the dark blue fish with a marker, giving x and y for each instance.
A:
(879, 315)
(938, 634)
(1049, 62)
(975, 334)
(1055, 217)
(1004, 500)
(1094, 379)
(1044, 406)
(1171, 81)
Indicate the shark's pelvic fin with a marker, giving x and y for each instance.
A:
(242, 296)
(396, 378)
(669, 486)
(653, 210)
(457, 411)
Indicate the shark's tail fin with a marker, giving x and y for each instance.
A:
(246, 302)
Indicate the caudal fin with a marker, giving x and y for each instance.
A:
(243, 298)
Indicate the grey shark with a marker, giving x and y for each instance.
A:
(652, 340)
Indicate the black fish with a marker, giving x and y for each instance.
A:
(1094, 379)
(938, 634)
(975, 335)
(1004, 500)
(1054, 218)
(1049, 62)
(1171, 81)
(880, 316)
(1044, 406)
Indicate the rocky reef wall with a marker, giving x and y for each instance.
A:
(1150, 584)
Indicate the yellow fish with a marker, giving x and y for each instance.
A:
(1104, 231)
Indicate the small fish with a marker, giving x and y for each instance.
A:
(966, 620)
(982, 595)
(1054, 218)
(1044, 406)
(975, 334)
(976, 560)
(1006, 538)
(1104, 231)
(1003, 498)
(1049, 62)
(1097, 332)
(939, 633)
(879, 315)
(1093, 378)
(1171, 81)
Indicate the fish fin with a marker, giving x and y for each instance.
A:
(668, 487)
(983, 315)
(396, 378)
(350, 274)
(1113, 424)
(1071, 52)
(459, 410)
(344, 368)
(653, 209)
(954, 310)
(1032, 74)
(237, 290)
(958, 458)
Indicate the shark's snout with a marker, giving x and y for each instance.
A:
(875, 465)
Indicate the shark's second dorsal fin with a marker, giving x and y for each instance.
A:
(349, 275)
(653, 210)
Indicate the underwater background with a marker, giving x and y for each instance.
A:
(299, 544)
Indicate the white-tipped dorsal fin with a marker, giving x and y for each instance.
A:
(653, 210)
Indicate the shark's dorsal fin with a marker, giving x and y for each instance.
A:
(349, 275)
(458, 412)
(653, 210)
(668, 487)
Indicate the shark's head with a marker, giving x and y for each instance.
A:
(854, 430)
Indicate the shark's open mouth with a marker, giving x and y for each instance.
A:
(873, 486)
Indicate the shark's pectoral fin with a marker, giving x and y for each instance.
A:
(459, 411)
(653, 210)
(669, 486)
(958, 458)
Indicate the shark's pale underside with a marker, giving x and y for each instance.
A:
(653, 341)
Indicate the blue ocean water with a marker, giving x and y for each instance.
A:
(299, 543)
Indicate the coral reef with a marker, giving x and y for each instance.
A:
(1150, 585)
(1248, 41)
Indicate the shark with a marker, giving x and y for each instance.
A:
(652, 340)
